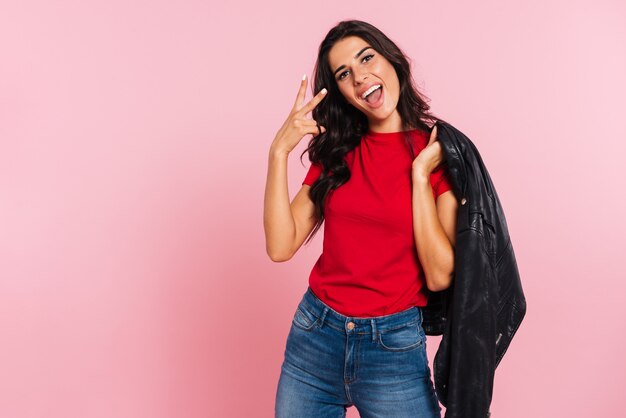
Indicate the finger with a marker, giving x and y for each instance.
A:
(310, 126)
(301, 93)
(314, 101)
(440, 155)
(433, 135)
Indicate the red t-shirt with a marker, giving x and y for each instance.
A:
(369, 265)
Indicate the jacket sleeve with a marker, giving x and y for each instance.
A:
(469, 342)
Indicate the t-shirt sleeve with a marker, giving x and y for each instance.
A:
(314, 172)
(440, 180)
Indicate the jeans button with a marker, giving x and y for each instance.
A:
(350, 325)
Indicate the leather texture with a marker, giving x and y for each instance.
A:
(480, 312)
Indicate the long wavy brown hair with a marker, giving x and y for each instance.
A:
(345, 124)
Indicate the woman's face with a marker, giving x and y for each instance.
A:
(358, 68)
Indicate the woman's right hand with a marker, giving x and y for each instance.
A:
(297, 125)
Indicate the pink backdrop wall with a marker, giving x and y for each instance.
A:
(133, 153)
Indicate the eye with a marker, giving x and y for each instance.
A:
(364, 58)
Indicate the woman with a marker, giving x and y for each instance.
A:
(378, 182)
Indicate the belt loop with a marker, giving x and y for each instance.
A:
(324, 312)
(373, 321)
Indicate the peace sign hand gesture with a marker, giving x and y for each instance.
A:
(297, 125)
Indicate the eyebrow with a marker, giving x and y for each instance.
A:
(355, 57)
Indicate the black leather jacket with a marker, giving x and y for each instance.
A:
(485, 304)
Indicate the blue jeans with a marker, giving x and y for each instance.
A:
(333, 361)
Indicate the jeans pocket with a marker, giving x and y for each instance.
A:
(304, 319)
(404, 338)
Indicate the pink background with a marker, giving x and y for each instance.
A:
(133, 155)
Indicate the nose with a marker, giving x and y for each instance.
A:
(359, 78)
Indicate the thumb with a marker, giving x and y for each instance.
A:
(433, 135)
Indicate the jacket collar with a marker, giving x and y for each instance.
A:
(469, 176)
(455, 159)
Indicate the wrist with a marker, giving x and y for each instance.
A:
(420, 173)
(278, 152)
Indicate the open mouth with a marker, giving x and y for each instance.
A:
(374, 96)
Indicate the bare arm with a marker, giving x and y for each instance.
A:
(434, 228)
(287, 224)
(434, 224)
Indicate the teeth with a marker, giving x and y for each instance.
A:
(370, 90)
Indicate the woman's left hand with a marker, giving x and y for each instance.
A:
(430, 157)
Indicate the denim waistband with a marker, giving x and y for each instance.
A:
(360, 325)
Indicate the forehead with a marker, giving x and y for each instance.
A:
(344, 50)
